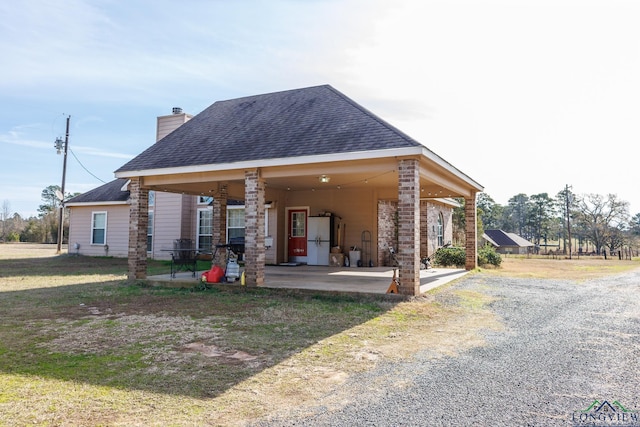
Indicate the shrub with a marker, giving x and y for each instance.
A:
(487, 255)
(452, 256)
(13, 237)
(446, 257)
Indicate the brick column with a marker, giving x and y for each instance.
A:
(471, 233)
(138, 222)
(409, 226)
(219, 220)
(254, 227)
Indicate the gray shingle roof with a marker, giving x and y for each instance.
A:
(520, 241)
(302, 122)
(502, 238)
(109, 192)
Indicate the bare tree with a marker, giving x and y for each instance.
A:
(634, 225)
(603, 219)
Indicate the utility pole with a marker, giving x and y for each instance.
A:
(59, 147)
(566, 193)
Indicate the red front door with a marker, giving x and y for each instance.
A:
(297, 233)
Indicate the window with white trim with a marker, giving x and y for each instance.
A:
(98, 228)
(235, 222)
(152, 198)
(205, 229)
(440, 230)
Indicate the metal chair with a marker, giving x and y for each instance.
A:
(183, 257)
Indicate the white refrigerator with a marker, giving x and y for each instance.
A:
(318, 240)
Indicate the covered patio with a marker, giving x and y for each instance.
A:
(373, 280)
(305, 153)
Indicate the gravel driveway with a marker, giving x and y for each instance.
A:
(564, 346)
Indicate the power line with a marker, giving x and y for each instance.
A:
(83, 167)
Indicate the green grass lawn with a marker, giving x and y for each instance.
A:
(79, 345)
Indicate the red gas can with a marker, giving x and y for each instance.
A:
(214, 275)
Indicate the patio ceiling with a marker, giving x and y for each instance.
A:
(436, 180)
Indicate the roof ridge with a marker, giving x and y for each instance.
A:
(260, 95)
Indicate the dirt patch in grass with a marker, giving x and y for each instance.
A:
(159, 339)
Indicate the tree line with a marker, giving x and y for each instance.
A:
(580, 223)
(592, 223)
(42, 228)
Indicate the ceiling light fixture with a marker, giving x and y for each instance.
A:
(324, 179)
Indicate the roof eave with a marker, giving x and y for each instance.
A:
(490, 240)
(303, 160)
(283, 161)
(97, 203)
(451, 169)
(444, 200)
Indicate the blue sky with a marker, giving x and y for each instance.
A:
(543, 93)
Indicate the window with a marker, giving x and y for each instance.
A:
(440, 230)
(150, 232)
(298, 223)
(98, 228)
(235, 222)
(205, 236)
(235, 225)
(152, 198)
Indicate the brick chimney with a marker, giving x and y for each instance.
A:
(171, 122)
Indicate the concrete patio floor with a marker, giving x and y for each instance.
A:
(367, 280)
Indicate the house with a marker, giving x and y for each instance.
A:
(307, 152)
(99, 218)
(507, 243)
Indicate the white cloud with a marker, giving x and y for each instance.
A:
(98, 152)
(14, 137)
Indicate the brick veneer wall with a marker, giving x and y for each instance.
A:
(387, 211)
(424, 228)
(429, 213)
